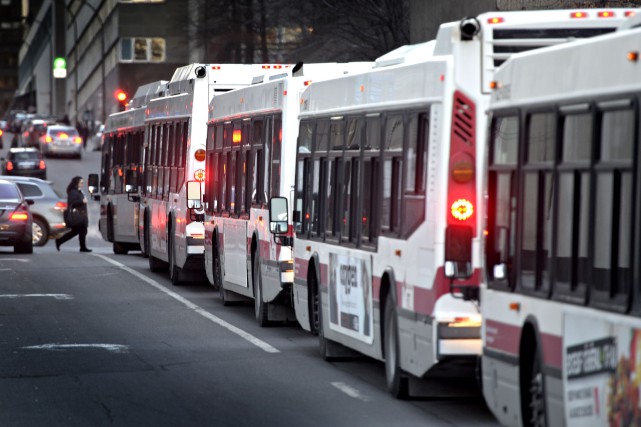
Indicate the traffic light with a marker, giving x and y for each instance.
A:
(122, 97)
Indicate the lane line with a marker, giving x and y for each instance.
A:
(14, 259)
(114, 348)
(350, 391)
(234, 329)
(56, 296)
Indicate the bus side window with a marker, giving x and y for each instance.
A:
(392, 167)
(370, 184)
(415, 173)
(303, 178)
(256, 157)
(502, 188)
(350, 180)
(277, 137)
(319, 191)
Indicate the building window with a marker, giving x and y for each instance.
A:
(142, 49)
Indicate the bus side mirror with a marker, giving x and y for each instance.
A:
(131, 185)
(278, 221)
(193, 195)
(278, 215)
(92, 185)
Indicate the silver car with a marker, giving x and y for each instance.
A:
(61, 140)
(47, 209)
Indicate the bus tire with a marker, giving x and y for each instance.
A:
(218, 277)
(313, 300)
(260, 307)
(120, 248)
(397, 381)
(110, 224)
(144, 243)
(533, 390)
(175, 272)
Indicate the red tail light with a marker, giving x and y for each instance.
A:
(42, 164)
(1, 132)
(61, 206)
(48, 139)
(77, 140)
(461, 193)
(9, 166)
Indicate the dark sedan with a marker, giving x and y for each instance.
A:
(24, 162)
(15, 219)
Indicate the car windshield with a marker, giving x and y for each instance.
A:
(9, 192)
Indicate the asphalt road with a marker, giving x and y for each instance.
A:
(97, 339)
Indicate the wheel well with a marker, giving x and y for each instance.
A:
(44, 221)
(382, 298)
(527, 353)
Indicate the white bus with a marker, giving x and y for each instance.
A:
(251, 148)
(122, 148)
(387, 213)
(172, 233)
(561, 307)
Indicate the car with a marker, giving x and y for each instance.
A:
(24, 162)
(15, 219)
(61, 140)
(47, 209)
(34, 129)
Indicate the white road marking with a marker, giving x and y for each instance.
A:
(115, 348)
(245, 335)
(350, 391)
(56, 296)
(5, 269)
(14, 259)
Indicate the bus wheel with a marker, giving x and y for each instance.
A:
(397, 382)
(314, 306)
(535, 415)
(260, 307)
(120, 248)
(110, 225)
(175, 272)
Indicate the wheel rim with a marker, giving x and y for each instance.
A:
(257, 294)
(316, 311)
(537, 398)
(390, 348)
(38, 233)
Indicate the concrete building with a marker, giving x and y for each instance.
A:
(107, 44)
(10, 41)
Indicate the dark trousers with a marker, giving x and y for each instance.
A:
(80, 231)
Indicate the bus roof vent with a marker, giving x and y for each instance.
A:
(147, 92)
(407, 54)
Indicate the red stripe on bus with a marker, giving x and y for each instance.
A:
(507, 338)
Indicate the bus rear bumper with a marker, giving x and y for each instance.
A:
(459, 347)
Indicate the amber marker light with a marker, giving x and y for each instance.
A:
(578, 15)
(199, 155)
(495, 20)
(515, 306)
(633, 56)
(606, 14)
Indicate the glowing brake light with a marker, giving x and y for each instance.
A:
(1, 132)
(19, 216)
(629, 13)
(9, 165)
(48, 139)
(462, 209)
(42, 164)
(495, 20)
(77, 140)
(63, 135)
(61, 206)
(606, 14)
(578, 15)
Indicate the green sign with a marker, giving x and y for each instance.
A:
(60, 68)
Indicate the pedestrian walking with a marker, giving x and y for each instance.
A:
(76, 216)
